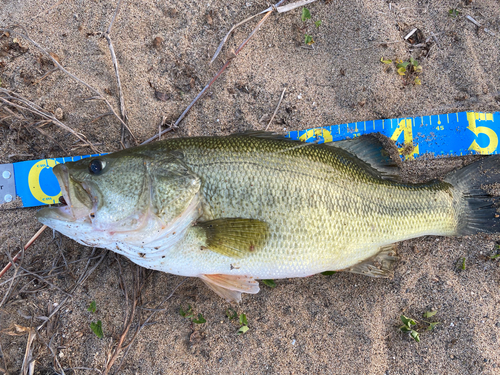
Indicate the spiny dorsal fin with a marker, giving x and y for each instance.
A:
(230, 287)
(371, 150)
(379, 265)
(235, 237)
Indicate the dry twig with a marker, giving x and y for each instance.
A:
(28, 361)
(123, 110)
(276, 110)
(137, 285)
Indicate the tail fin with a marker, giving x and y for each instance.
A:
(478, 212)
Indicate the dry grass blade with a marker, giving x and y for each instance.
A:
(276, 110)
(287, 8)
(123, 110)
(137, 285)
(221, 70)
(33, 108)
(56, 63)
(28, 361)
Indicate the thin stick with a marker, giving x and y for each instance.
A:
(28, 362)
(56, 63)
(7, 294)
(221, 70)
(276, 110)
(28, 244)
(123, 110)
(136, 289)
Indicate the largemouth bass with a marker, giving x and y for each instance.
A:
(231, 210)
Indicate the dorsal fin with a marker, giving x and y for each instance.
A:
(263, 134)
(370, 149)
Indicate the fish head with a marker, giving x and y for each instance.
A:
(109, 193)
(128, 197)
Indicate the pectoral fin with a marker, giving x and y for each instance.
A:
(235, 237)
(379, 265)
(230, 287)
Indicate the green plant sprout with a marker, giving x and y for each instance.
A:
(188, 314)
(270, 283)
(93, 307)
(96, 327)
(328, 273)
(306, 15)
(244, 325)
(410, 69)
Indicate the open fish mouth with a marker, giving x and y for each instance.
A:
(76, 201)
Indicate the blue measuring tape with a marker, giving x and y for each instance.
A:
(453, 134)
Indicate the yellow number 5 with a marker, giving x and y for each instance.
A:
(492, 146)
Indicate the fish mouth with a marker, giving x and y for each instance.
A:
(76, 201)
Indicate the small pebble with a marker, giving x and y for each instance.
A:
(59, 114)
(157, 42)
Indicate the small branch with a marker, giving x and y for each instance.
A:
(276, 110)
(279, 9)
(7, 294)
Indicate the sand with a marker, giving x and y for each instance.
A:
(338, 324)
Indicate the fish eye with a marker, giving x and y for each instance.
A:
(96, 166)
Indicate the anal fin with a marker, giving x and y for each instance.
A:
(380, 265)
(230, 287)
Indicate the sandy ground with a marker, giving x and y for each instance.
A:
(338, 324)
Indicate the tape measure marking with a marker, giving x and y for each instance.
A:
(461, 134)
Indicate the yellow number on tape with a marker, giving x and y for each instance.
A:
(313, 133)
(492, 146)
(405, 127)
(34, 182)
